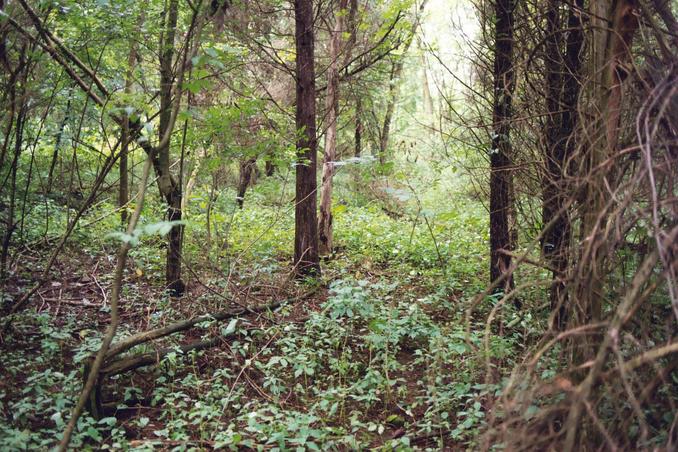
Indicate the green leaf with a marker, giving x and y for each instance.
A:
(162, 227)
(93, 433)
(108, 421)
(377, 325)
(131, 239)
(230, 328)
(339, 208)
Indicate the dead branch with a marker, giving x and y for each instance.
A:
(147, 336)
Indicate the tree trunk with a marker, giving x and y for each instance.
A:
(388, 116)
(123, 184)
(18, 78)
(394, 79)
(500, 171)
(611, 52)
(426, 93)
(306, 259)
(10, 224)
(247, 169)
(330, 155)
(175, 237)
(167, 183)
(358, 126)
(10, 123)
(123, 187)
(562, 78)
(57, 146)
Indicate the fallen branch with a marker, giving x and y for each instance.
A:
(151, 358)
(108, 368)
(147, 336)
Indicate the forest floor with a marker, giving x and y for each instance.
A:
(375, 354)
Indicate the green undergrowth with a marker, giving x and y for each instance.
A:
(382, 361)
(363, 366)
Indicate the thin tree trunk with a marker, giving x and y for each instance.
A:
(10, 224)
(170, 188)
(562, 97)
(175, 245)
(353, 24)
(18, 78)
(394, 79)
(57, 146)
(10, 124)
(192, 178)
(384, 136)
(555, 237)
(611, 51)
(500, 154)
(358, 126)
(123, 188)
(426, 90)
(330, 155)
(210, 205)
(306, 259)
(247, 170)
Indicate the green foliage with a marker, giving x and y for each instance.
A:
(161, 228)
(384, 351)
(39, 408)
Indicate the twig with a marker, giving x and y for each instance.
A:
(584, 389)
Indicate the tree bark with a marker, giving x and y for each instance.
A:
(169, 187)
(247, 169)
(10, 121)
(18, 143)
(613, 24)
(19, 104)
(358, 127)
(123, 184)
(306, 259)
(330, 155)
(562, 79)
(500, 154)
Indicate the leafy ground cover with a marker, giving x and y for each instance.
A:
(375, 354)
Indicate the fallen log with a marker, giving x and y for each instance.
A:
(151, 358)
(114, 367)
(147, 336)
